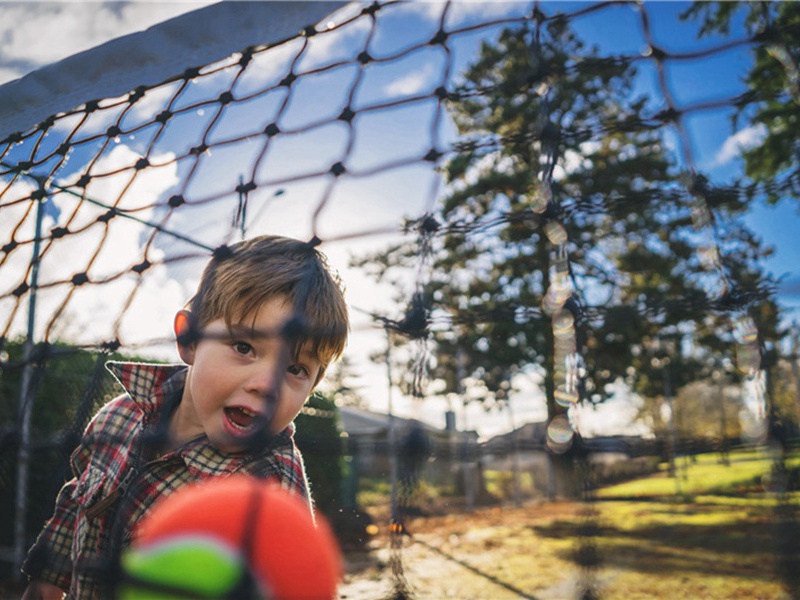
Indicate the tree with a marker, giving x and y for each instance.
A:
(338, 380)
(772, 105)
(565, 232)
(557, 173)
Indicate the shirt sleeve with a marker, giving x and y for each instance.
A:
(49, 559)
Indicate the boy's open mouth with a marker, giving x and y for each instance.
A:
(240, 417)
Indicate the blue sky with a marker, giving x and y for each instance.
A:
(382, 198)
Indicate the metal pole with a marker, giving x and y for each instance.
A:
(26, 402)
(793, 362)
(515, 455)
(392, 432)
(723, 420)
(466, 445)
(673, 442)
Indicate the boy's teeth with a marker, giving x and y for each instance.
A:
(241, 417)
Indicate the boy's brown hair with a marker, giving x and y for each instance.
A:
(237, 281)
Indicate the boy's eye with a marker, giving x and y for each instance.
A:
(298, 370)
(242, 348)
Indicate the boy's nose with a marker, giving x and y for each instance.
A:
(263, 381)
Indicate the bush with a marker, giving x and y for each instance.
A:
(319, 438)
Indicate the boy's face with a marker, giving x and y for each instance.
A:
(237, 379)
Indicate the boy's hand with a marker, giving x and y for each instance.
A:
(39, 590)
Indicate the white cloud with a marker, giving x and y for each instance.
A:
(34, 34)
(740, 142)
(413, 82)
(88, 313)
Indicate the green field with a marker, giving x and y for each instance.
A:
(747, 472)
(722, 537)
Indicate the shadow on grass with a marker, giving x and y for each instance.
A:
(475, 570)
(762, 546)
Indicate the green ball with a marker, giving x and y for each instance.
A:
(191, 565)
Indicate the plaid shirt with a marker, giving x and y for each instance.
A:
(108, 467)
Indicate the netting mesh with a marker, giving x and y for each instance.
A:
(532, 167)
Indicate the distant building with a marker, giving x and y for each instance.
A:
(523, 453)
(438, 453)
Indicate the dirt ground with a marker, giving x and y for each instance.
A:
(468, 555)
(534, 551)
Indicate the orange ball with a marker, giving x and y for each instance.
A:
(289, 555)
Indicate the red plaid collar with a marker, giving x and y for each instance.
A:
(150, 385)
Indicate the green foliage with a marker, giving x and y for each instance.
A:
(773, 103)
(318, 437)
(552, 134)
(61, 381)
(69, 383)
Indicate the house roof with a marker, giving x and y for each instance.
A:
(359, 421)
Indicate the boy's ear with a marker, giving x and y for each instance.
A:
(183, 326)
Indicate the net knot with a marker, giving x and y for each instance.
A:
(142, 266)
(429, 225)
(371, 9)
(164, 116)
(338, 169)
(442, 93)
(79, 279)
(537, 15)
(91, 106)
(668, 115)
(84, 180)
(137, 94)
(288, 80)
(112, 345)
(107, 216)
(225, 98)
(433, 155)
(244, 188)
(189, 74)
(10, 246)
(21, 289)
(113, 131)
(440, 38)
(272, 130)
(347, 115)
(415, 321)
(58, 232)
(222, 252)
(294, 328)
(247, 56)
(176, 200)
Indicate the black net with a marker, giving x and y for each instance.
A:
(532, 203)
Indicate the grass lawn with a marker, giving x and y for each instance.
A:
(747, 471)
(720, 539)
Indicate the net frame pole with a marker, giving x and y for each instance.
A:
(26, 403)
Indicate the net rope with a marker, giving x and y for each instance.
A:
(118, 195)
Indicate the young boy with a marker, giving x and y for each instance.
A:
(267, 320)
